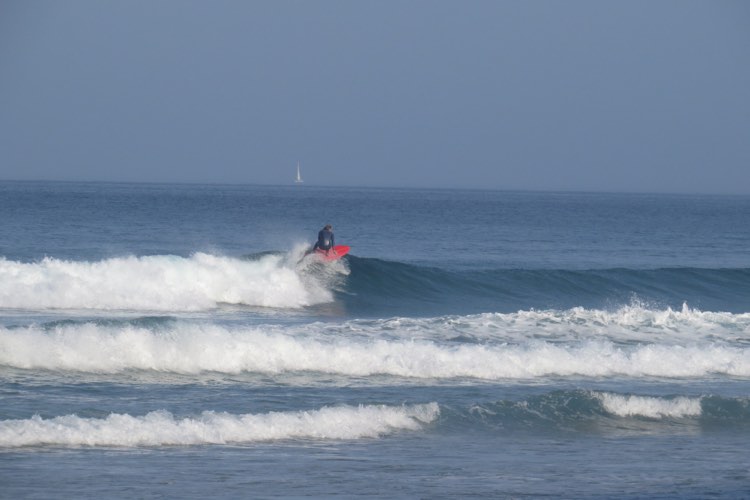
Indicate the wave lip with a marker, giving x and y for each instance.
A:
(161, 428)
(159, 283)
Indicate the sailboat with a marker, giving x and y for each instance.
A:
(298, 180)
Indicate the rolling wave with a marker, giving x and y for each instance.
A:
(565, 411)
(161, 428)
(366, 287)
(631, 342)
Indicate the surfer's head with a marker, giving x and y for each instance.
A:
(328, 227)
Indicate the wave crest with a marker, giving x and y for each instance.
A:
(161, 428)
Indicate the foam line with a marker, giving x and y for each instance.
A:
(190, 348)
(161, 428)
(631, 323)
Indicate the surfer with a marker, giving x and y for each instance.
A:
(325, 239)
(325, 249)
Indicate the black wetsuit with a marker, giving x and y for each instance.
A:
(325, 240)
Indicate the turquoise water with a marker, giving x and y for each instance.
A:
(170, 340)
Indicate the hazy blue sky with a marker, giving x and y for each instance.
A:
(565, 95)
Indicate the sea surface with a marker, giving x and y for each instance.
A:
(174, 341)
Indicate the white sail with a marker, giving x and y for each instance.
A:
(298, 180)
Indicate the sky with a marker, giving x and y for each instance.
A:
(622, 96)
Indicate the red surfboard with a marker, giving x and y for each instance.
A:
(333, 254)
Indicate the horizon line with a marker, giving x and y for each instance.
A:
(381, 187)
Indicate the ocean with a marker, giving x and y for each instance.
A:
(163, 340)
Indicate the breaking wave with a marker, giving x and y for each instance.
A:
(557, 411)
(630, 342)
(161, 428)
(365, 287)
(162, 283)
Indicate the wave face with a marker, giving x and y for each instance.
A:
(161, 428)
(630, 342)
(382, 285)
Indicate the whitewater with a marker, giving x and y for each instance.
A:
(631, 342)
(159, 283)
(583, 345)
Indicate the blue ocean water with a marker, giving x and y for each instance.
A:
(172, 340)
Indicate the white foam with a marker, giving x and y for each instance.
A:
(158, 283)
(190, 348)
(632, 323)
(161, 428)
(650, 407)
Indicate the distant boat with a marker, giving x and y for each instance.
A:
(298, 180)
